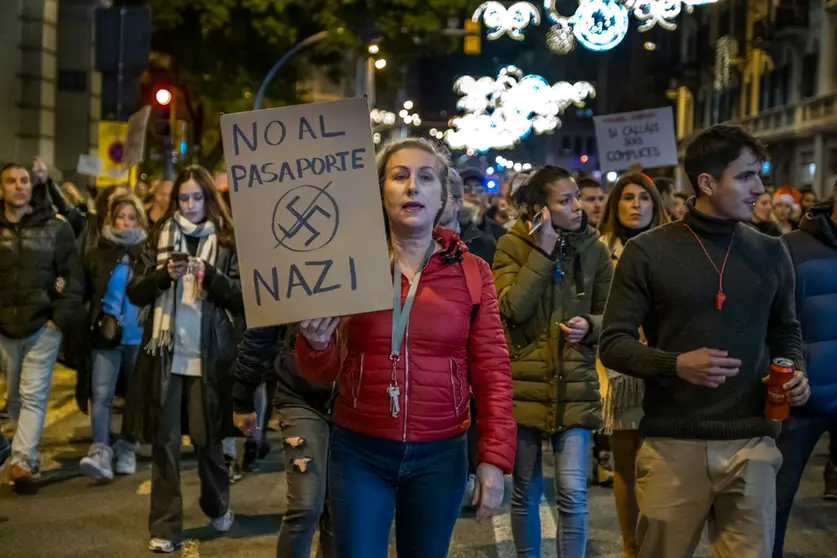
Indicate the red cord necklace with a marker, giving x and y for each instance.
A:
(720, 297)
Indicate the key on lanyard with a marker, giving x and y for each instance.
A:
(400, 318)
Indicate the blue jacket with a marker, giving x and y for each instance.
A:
(813, 249)
(116, 304)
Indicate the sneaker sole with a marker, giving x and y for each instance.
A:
(228, 527)
(94, 473)
(159, 550)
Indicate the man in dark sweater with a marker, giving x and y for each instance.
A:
(303, 411)
(813, 249)
(715, 300)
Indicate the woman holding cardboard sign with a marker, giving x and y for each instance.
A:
(188, 285)
(405, 376)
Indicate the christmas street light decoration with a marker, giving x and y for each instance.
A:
(560, 38)
(656, 12)
(726, 49)
(510, 21)
(501, 112)
(600, 25)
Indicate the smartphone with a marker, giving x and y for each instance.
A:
(179, 257)
(537, 223)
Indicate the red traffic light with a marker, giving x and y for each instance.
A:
(163, 96)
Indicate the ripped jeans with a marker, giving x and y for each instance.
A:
(305, 437)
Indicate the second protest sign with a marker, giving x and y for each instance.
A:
(307, 209)
(642, 137)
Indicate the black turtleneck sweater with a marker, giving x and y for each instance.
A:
(665, 284)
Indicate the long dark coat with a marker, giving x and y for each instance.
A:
(221, 328)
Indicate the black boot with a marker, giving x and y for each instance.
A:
(251, 453)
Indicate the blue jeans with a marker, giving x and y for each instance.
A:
(28, 364)
(572, 462)
(371, 480)
(796, 442)
(107, 365)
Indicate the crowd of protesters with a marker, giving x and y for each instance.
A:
(631, 327)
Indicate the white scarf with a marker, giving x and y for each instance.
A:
(172, 240)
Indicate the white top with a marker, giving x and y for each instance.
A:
(187, 330)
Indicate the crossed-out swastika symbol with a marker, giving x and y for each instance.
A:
(307, 229)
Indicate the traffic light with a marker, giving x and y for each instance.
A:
(163, 110)
(473, 37)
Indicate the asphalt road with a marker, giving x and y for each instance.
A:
(69, 517)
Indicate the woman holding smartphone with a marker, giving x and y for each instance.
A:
(189, 287)
(552, 277)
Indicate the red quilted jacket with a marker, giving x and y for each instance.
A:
(443, 359)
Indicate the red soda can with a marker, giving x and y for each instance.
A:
(776, 407)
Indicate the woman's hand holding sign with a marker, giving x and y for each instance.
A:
(318, 331)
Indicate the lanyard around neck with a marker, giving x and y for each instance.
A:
(401, 315)
(720, 297)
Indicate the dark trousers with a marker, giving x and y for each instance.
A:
(796, 442)
(305, 436)
(373, 480)
(165, 520)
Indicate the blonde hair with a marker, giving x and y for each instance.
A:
(72, 194)
(442, 169)
(121, 198)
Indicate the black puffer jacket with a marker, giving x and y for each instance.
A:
(270, 350)
(221, 329)
(34, 253)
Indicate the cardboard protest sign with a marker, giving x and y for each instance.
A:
(135, 141)
(644, 137)
(89, 165)
(307, 209)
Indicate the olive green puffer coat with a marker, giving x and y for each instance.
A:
(556, 386)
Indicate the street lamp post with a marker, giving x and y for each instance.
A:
(281, 62)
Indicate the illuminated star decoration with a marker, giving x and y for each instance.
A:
(500, 112)
(600, 24)
(512, 21)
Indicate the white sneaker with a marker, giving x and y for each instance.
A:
(126, 459)
(96, 465)
(163, 546)
(225, 522)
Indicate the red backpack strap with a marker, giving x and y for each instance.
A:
(473, 278)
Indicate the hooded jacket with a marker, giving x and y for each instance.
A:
(478, 242)
(813, 250)
(556, 386)
(445, 355)
(34, 253)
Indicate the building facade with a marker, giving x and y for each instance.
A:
(770, 67)
(50, 95)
